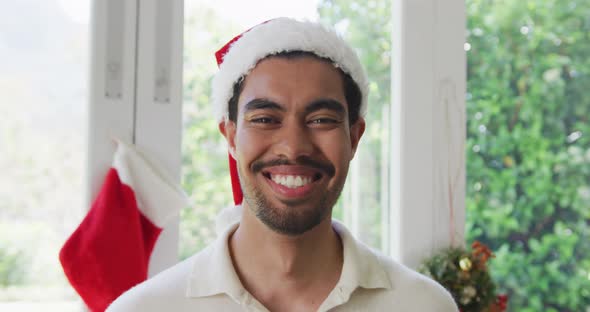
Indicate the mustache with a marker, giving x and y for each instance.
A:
(325, 167)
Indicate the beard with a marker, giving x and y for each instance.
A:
(290, 220)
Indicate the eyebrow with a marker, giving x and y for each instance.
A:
(312, 107)
(262, 104)
(325, 104)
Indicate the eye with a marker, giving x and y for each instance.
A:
(324, 120)
(263, 120)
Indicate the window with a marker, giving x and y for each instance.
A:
(528, 148)
(44, 49)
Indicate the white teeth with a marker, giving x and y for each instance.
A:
(291, 181)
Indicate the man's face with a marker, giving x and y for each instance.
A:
(292, 141)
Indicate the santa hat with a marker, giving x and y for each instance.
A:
(241, 54)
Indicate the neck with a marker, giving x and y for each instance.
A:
(264, 258)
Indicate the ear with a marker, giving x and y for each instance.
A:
(228, 129)
(356, 132)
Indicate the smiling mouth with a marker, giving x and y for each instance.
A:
(292, 181)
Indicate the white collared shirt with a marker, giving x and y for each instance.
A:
(208, 282)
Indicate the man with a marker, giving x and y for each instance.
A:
(290, 98)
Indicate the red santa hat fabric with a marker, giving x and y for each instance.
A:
(109, 252)
(241, 54)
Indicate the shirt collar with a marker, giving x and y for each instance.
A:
(361, 267)
(213, 271)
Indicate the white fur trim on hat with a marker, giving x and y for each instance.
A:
(282, 35)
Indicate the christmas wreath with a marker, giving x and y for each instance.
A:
(465, 275)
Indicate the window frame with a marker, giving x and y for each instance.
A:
(144, 69)
(428, 128)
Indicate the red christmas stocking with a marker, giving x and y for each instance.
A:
(110, 250)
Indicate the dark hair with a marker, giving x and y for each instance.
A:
(352, 92)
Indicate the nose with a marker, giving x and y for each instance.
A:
(293, 141)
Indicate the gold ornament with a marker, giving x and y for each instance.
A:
(508, 161)
(465, 264)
